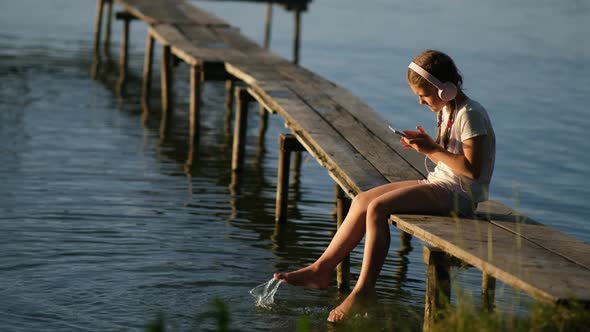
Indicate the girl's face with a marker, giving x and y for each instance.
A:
(428, 96)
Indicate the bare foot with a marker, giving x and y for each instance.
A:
(307, 277)
(356, 302)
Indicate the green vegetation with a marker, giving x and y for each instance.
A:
(464, 316)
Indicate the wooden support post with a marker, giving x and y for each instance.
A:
(297, 36)
(97, 33)
(195, 103)
(108, 26)
(343, 269)
(166, 85)
(297, 159)
(287, 144)
(230, 86)
(146, 85)
(488, 290)
(282, 180)
(404, 240)
(241, 123)
(268, 25)
(263, 126)
(124, 50)
(438, 283)
(338, 192)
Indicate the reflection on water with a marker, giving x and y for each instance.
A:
(106, 224)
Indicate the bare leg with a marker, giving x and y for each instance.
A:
(318, 274)
(417, 198)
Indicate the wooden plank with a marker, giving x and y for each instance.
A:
(197, 15)
(360, 110)
(168, 34)
(370, 119)
(253, 72)
(201, 36)
(546, 237)
(170, 11)
(236, 40)
(320, 137)
(200, 45)
(385, 159)
(344, 163)
(495, 251)
(143, 9)
(227, 44)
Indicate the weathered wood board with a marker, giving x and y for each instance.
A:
(502, 254)
(169, 11)
(546, 237)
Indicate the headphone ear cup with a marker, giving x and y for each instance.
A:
(448, 91)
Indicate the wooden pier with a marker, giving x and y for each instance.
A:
(352, 142)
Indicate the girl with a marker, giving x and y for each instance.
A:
(464, 154)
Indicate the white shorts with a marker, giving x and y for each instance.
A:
(455, 201)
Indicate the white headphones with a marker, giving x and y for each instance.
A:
(447, 91)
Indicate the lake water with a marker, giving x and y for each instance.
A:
(102, 226)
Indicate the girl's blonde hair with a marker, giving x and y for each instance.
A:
(439, 65)
(442, 67)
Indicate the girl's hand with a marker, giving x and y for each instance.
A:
(420, 141)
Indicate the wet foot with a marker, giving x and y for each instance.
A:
(306, 277)
(356, 302)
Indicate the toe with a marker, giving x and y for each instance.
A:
(336, 315)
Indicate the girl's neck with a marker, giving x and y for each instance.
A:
(459, 100)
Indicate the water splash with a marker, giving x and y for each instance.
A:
(264, 294)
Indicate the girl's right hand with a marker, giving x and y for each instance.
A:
(415, 133)
(420, 141)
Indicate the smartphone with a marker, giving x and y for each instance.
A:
(398, 132)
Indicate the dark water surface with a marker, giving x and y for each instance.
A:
(103, 226)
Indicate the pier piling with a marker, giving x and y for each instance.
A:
(488, 289)
(242, 99)
(343, 269)
(230, 86)
(147, 70)
(124, 55)
(438, 283)
(97, 36)
(263, 126)
(287, 144)
(297, 36)
(166, 86)
(108, 28)
(195, 102)
(268, 25)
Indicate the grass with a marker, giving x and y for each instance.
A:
(464, 316)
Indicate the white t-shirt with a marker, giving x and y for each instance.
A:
(472, 120)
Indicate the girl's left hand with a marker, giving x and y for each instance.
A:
(421, 142)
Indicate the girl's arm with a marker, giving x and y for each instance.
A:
(467, 164)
